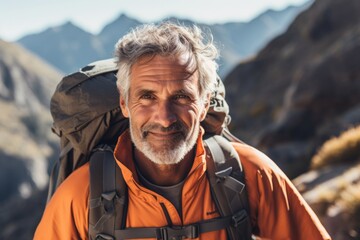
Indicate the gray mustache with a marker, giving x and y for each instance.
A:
(177, 126)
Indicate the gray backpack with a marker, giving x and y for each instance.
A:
(88, 120)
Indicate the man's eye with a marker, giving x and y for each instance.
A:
(147, 96)
(182, 98)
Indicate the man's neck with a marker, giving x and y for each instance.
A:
(164, 174)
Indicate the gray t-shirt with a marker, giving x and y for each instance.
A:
(171, 193)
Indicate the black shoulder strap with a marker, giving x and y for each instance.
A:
(108, 195)
(57, 175)
(227, 181)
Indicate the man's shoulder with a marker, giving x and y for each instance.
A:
(65, 215)
(75, 185)
(254, 160)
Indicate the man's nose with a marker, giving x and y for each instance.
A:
(165, 115)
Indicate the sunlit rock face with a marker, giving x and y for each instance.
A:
(26, 141)
(302, 88)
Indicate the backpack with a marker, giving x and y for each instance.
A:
(88, 120)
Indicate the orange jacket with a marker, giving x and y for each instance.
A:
(277, 210)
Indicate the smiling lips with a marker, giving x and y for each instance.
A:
(164, 135)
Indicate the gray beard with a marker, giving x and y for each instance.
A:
(168, 154)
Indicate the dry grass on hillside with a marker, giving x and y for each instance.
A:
(346, 212)
(351, 200)
(337, 199)
(342, 149)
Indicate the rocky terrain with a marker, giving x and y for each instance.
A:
(302, 88)
(26, 142)
(332, 185)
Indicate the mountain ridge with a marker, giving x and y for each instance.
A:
(82, 47)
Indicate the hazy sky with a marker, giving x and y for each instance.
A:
(21, 17)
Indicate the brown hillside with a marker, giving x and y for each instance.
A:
(332, 186)
(26, 141)
(303, 87)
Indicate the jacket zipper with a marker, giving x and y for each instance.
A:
(167, 215)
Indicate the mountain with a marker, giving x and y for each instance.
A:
(303, 87)
(113, 31)
(26, 141)
(300, 90)
(239, 41)
(68, 47)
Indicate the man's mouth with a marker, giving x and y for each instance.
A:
(176, 130)
(164, 135)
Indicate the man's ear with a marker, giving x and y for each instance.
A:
(206, 106)
(123, 106)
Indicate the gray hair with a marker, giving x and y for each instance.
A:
(167, 39)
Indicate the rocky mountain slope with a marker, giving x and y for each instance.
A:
(332, 186)
(26, 141)
(68, 47)
(303, 87)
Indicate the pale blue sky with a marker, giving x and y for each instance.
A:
(21, 17)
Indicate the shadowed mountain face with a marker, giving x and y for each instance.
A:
(26, 141)
(68, 47)
(26, 85)
(303, 87)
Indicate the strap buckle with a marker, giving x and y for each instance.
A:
(108, 199)
(102, 236)
(239, 218)
(224, 173)
(179, 232)
(56, 130)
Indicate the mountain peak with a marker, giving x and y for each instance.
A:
(67, 26)
(124, 18)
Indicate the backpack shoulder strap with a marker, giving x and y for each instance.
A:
(227, 182)
(108, 195)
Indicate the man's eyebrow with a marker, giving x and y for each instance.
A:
(144, 92)
(184, 91)
(181, 91)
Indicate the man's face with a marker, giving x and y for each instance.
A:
(164, 108)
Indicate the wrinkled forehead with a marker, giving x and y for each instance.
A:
(169, 68)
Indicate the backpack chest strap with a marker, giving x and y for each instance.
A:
(191, 231)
